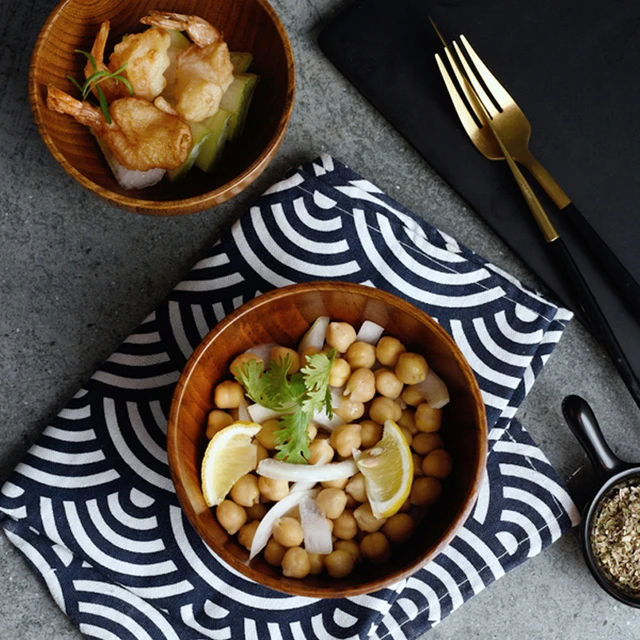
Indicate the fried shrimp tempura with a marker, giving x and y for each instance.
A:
(145, 55)
(111, 88)
(204, 69)
(141, 136)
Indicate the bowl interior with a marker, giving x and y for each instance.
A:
(283, 316)
(247, 25)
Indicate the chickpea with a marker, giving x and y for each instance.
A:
(425, 491)
(334, 484)
(279, 353)
(361, 386)
(370, 434)
(309, 351)
(316, 563)
(437, 464)
(361, 355)
(406, 506)
(339, 563)
(424, 443)
(428, 419)
(352, 503)
(356, 488)
(376, 547)
(295, 563)
(349, 410)
(351, 546)
(411, 368)
(408, 421)
(417, 465)
(246, 534)
(273, 490)
(228, 394)
(216, 421)
(287, 531)
(388, 384)
(345, 438)
(407, 435)
(340, 336)
(399, 527)
(345, 526)
(256, 512)
(267, 435)
(331, 502)
(320, 450)
(366, 520)
(382, 409)
(411, 396)
(238, 362)
(340, 372)
(245, 491)
(274, 552)
(231, 516)
(312, 430)
(388, 350)
(261, 452)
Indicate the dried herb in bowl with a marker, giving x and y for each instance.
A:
(615, 536)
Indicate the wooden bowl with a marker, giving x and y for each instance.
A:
(247, 25)
(283, 316)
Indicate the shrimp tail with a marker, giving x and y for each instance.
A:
(83, 112)
(200, 31)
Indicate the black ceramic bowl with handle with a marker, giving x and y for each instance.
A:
(611, 472)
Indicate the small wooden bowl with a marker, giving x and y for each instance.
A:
(247, 25)
(283, 316)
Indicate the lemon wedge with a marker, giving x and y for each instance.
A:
(388, 471)
(229, 456)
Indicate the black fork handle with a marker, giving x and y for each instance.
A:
(627, 285)
(584, 299)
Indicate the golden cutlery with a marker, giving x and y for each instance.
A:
(513, 127)
(582, 294)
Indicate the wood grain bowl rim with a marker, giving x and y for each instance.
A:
(184, 206)
(292, 588)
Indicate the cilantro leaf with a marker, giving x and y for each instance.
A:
(301, 396)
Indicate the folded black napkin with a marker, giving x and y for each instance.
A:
(92, 505)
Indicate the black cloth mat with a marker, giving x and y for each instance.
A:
(571, 66)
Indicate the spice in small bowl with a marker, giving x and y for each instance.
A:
(615, 536)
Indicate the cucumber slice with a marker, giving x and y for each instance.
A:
(241, 61)
(217, 126)
(237, 99)
(200, 136)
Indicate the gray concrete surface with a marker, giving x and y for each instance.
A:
(77, 276)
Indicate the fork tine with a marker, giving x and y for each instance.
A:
(469, 124)
(477, 86)
(472, 101)
(501, 96)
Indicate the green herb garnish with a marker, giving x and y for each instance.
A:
(299, 396)
(94, 80)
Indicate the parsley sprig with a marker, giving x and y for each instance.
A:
(299, 397)
(94, 80)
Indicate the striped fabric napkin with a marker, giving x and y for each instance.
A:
(92, 505)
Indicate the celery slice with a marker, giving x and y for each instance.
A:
(200, 136)
(217, 126)
(237, 100)
(241, 61)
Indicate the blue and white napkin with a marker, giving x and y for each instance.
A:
(92, 505)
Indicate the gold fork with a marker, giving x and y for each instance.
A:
(581, 292)
(514, 129)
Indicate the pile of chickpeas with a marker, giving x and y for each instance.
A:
(377, 382)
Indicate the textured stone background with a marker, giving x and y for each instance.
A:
(77, 276)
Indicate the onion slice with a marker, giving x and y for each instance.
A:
(304, 485)
(279, 509)
(369, 332)
(279, 470)
(243, 411)
(433, 390)
(335, 421)
(263, 351)
(315, 528)
(316, 335)
(261, 414)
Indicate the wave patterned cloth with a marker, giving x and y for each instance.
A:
(92, 505)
